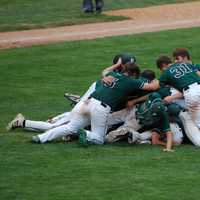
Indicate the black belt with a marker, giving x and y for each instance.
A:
(104, 105)
(187, 87)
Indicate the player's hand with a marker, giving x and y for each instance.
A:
(168, 150)
(108, 80)
(130, 104)
(119, 62)
(167, 99)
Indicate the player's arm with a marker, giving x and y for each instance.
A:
(133, 102)
(112, 68)
(169, 99)
(169, 144)
(198, 73)
(165, 128)
(153, 85)
(155, 139)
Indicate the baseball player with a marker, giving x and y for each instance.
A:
(183, 77)
(183, 55)
(152, 113)
(173, 110)
(95, 110)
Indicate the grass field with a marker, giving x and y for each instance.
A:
(33, 81)
(29, 14)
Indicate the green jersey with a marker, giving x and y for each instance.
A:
(152, 113)
(115, 93)
(179, 76)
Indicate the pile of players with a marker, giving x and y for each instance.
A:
(133, 105)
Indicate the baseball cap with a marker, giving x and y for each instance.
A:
(126, 57)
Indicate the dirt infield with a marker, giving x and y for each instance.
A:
(149, 19)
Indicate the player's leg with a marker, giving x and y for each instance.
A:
(79, 120)
(99, 5)
(131, 126)
(117, 117)
(144, 137)
(192, 99)
(38, 126)
(99, 115)
(177, 133)
(87, 6)
(68, 129)
(60, 119)
(191, 130)
(116, 135)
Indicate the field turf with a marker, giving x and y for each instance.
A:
(33, 81)
(29, 14)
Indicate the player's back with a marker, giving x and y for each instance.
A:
(115, 93)
(180, 75)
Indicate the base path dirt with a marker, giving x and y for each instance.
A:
(149, 19)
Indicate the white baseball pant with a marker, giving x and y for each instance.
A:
(91, 112)
(192, 99)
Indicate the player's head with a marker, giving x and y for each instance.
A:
(163, 62)
(148, 74)
(125, 57)
(181, 55)
(132, 69)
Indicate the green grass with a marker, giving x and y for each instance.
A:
(33, 81)
(29, 14)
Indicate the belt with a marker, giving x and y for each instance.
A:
(103, 104)
(188, 86)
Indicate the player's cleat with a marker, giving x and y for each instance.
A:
(35, 139)
(73, 98)
(144, 142)
(82, 137)
(17, 122)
